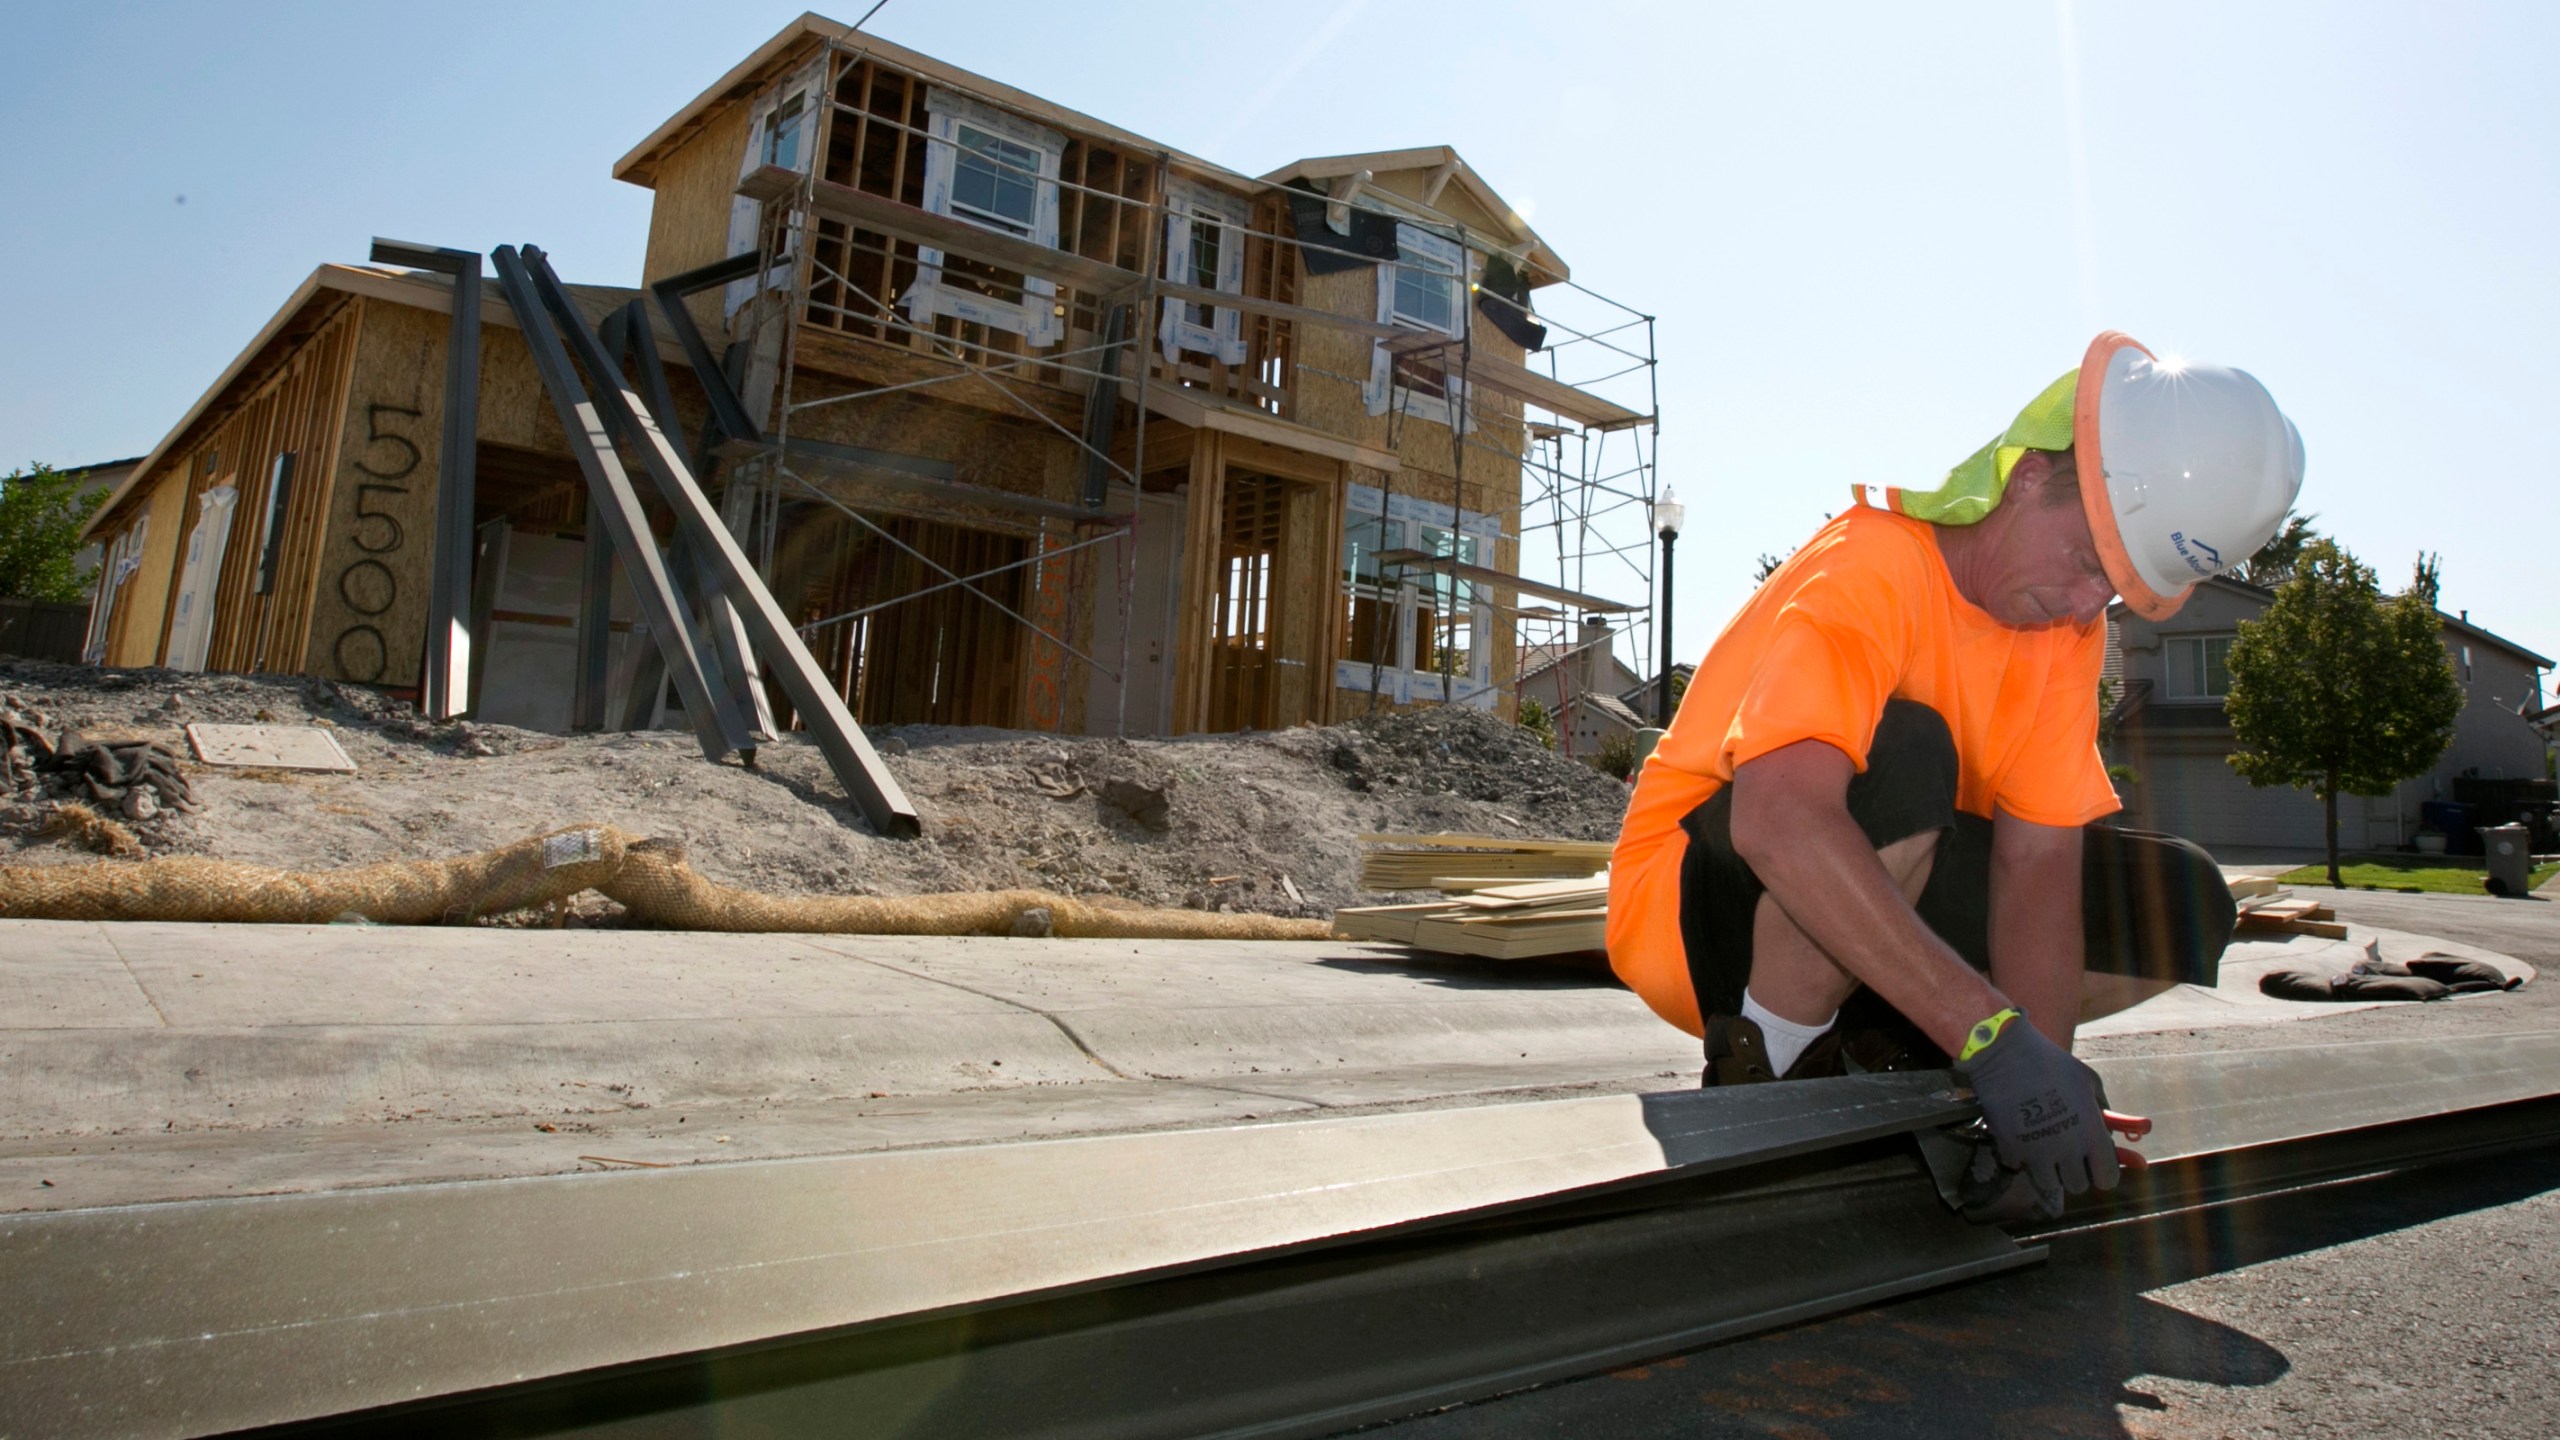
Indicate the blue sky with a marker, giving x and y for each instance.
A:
(1870, 232)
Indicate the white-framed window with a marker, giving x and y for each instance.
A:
(782, 130)
(998, 171)
(1420, 634)
(1424, 289)
(1204, 234)
(2199, 666)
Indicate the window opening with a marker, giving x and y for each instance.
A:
(782, 133)
(1422, 289)
(1418, 632)
(1205, 234)
(1204, 244)
(2200, 667)
(998, 171)
(995, 181)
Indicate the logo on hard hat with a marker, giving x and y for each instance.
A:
(2212, 562)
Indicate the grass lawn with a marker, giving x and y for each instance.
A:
(2459, 875)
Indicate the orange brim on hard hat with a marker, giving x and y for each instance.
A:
(2138, 596)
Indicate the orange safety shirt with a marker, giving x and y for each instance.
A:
(1865, 613)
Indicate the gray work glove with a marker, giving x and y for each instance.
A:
(2045, 1111)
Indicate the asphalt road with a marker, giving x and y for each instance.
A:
(2420, 1304)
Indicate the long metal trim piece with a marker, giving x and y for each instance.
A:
(728, 412)
(447, 688)
(618, 504)
(747, 715)
(216, 1315)
(1311, 1344)
(1023, 1288)
(864, 775)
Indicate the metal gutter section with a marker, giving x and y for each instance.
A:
(2217, 1102)
(1273, 1280)
(1311, 1345)
(212, 1316)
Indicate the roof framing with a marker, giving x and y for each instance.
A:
(400, 287)
(786, 50)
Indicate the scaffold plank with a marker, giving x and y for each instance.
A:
(1522, 383)
(1202, 412)
(1500, 580)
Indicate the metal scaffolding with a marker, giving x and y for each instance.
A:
(1584, 457)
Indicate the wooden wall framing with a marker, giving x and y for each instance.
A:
(295, 409)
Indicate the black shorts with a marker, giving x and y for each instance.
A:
(2152, 906)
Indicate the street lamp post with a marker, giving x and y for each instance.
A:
(1666, 523)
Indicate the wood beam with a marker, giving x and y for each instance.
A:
(900, 221)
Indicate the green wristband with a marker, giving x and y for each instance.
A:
(1984, 1032)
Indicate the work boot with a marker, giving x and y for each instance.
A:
(1738, 1054)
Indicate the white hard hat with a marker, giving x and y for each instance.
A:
(2185, 469)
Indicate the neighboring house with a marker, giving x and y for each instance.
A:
(1199, 465)
(98, 479)
(2171, 730)
(1579, 686)
(1644, 699)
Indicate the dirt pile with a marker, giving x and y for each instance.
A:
(1261, 821)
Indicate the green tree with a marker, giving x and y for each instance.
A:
(1535, 719)
(41, 512)
(2338, 689)
(2273, 563)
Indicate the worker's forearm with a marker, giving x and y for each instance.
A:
(2036, 945)
(1828, 879)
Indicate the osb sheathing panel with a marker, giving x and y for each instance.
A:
(1331, 360)
(689, 218)
(1024, 458)
(369, 613)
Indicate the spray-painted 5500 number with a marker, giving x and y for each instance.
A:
(367, 585)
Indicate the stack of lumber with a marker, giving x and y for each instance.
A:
(1509, 920)
(2269, 910)
(1500, 922)
(1458, 864)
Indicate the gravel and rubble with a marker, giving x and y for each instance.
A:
(1260, 821)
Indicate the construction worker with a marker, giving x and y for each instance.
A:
(1866, 840)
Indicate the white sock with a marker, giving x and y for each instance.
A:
(1786, 1039)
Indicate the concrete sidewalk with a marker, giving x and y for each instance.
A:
(142, 1062)
(163, 1061)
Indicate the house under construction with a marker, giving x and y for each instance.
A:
(1024, 420)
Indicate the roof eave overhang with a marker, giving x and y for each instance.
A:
(399, 287)
(1550, 267)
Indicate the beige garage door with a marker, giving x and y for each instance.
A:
(2198, 796)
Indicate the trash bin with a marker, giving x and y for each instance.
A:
(2510, 849)
(2452, 819)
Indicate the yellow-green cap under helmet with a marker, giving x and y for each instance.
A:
(1973, 489)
